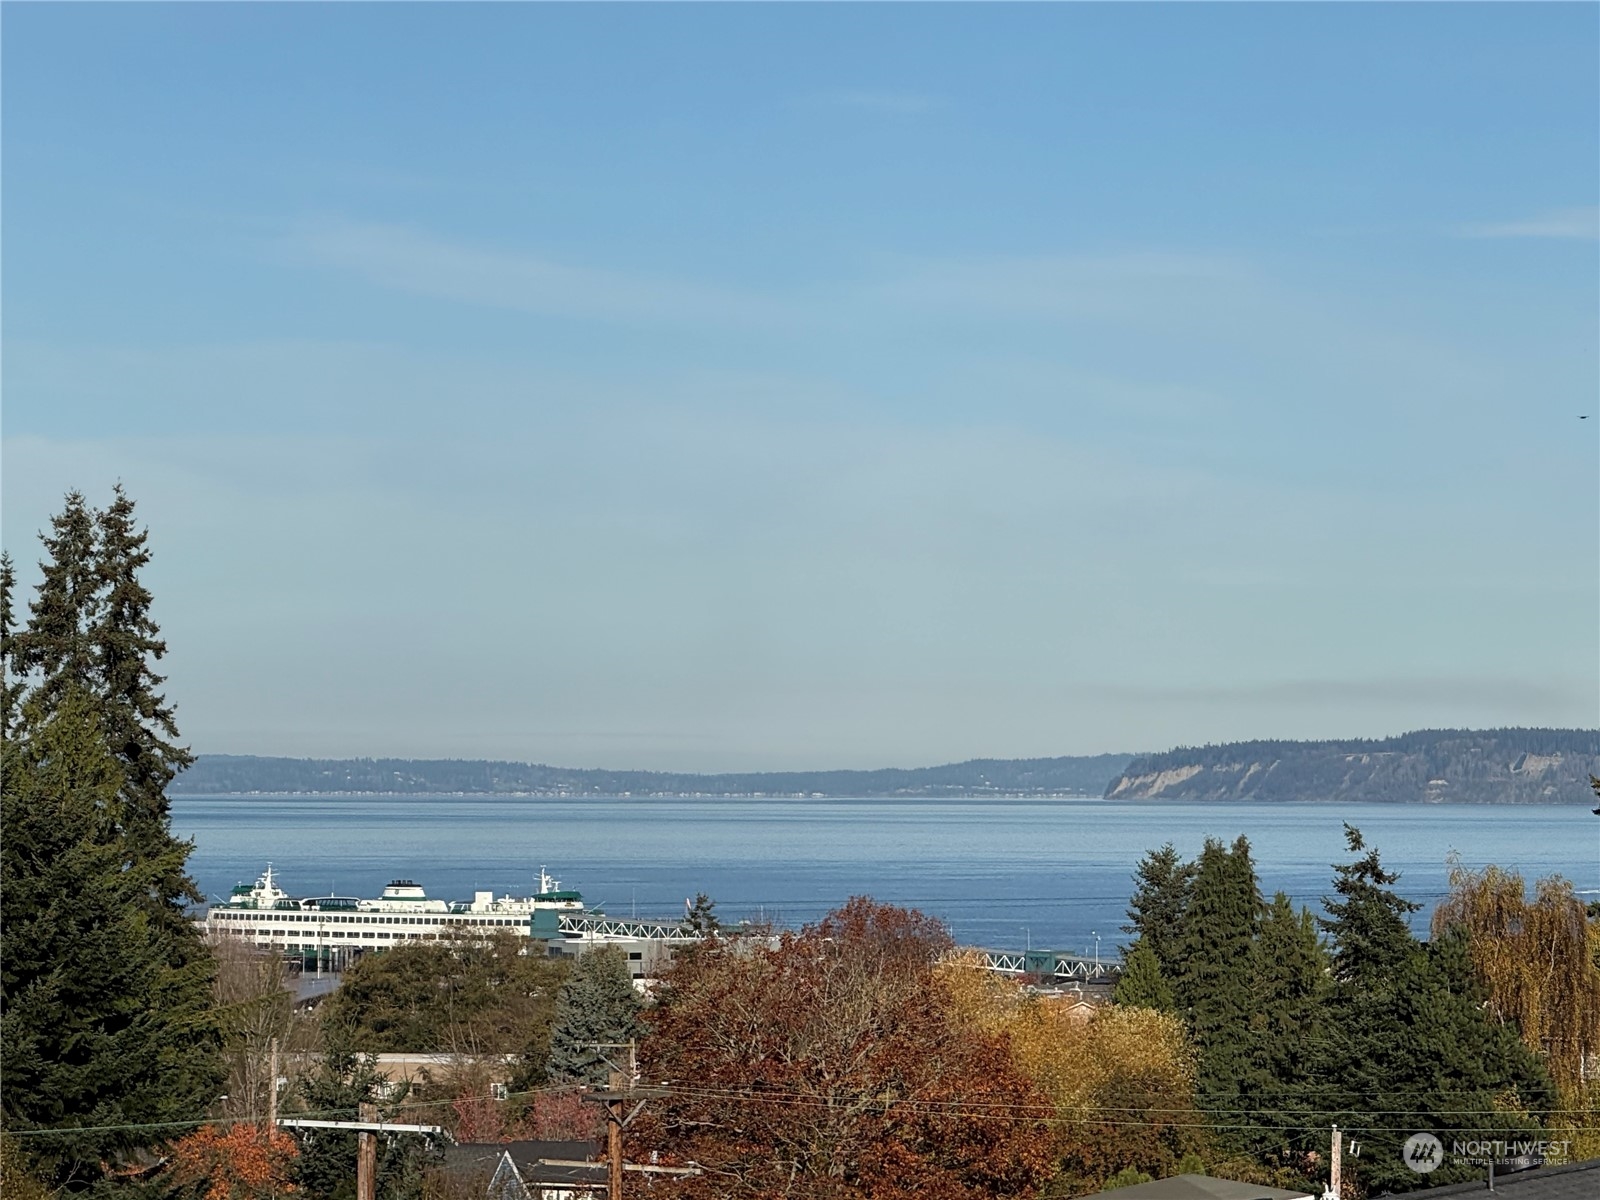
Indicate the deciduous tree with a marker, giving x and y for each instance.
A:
(253, 1010)
(1536, 960)
(463, 995)
(241, 1162)
(1121, 1081)
(834, 1065)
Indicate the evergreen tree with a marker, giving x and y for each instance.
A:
(1289, 986)
(1213, 983)
(1155, 913)
(699, 915)
(1141, 984)
(126, 642)
(1409, 1045)
(102, 1029)
(56, 643)
(1368, 923)
(598, 1004)
(11, 685)
(106, 984)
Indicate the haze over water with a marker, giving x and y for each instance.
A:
(1002, 873)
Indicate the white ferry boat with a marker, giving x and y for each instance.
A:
(329, 931)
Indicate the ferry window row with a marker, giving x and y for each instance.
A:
(298, 918)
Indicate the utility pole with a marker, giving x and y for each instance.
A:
(624, 1086)
(614, 1140)
(367, 1129)
(1336, 1167)
(272, 1087)
(367, 1156)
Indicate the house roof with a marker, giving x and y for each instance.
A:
(1573, 1181)
(1202, 1187)
(481, 1158)
(526, 1153)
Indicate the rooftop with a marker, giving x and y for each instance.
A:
(1572, 1181)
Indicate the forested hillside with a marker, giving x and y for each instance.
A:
(222, 774)
(1505, 766)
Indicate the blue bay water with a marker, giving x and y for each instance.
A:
(1002, 873)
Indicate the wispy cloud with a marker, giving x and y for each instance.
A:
(415, 261)
(1068, 287)
(1582, 224)
(890, 103)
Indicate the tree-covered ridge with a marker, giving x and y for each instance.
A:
(226, 774)
(1504, 766)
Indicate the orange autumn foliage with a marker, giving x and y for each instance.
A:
(239, 1163)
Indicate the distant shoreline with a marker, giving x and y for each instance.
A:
(1078, 797)
(1496, 766)
(534, 795)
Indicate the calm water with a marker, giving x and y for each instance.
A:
(1003, 873)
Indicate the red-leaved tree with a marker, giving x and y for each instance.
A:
(559, 1115)
(834, 1066)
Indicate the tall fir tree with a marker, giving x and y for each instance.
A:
(140, 724)
(1290, 981)
(56, 644)
(1213, 978)
(1163, 882)
(1409, 1046)
(11, 685)
(104, 982)
(1368, 922)
(1292, 976)
(597, 1004)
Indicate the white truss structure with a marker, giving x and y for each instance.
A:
(597, 926)
(1068, 968)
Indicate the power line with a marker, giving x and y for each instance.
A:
(976, 1109)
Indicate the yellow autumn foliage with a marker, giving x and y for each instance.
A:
(1121, 1079)
(1539, 962)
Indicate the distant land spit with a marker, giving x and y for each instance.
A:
(1493, 766)
(1521, 766)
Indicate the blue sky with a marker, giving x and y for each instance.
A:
(720, 387)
